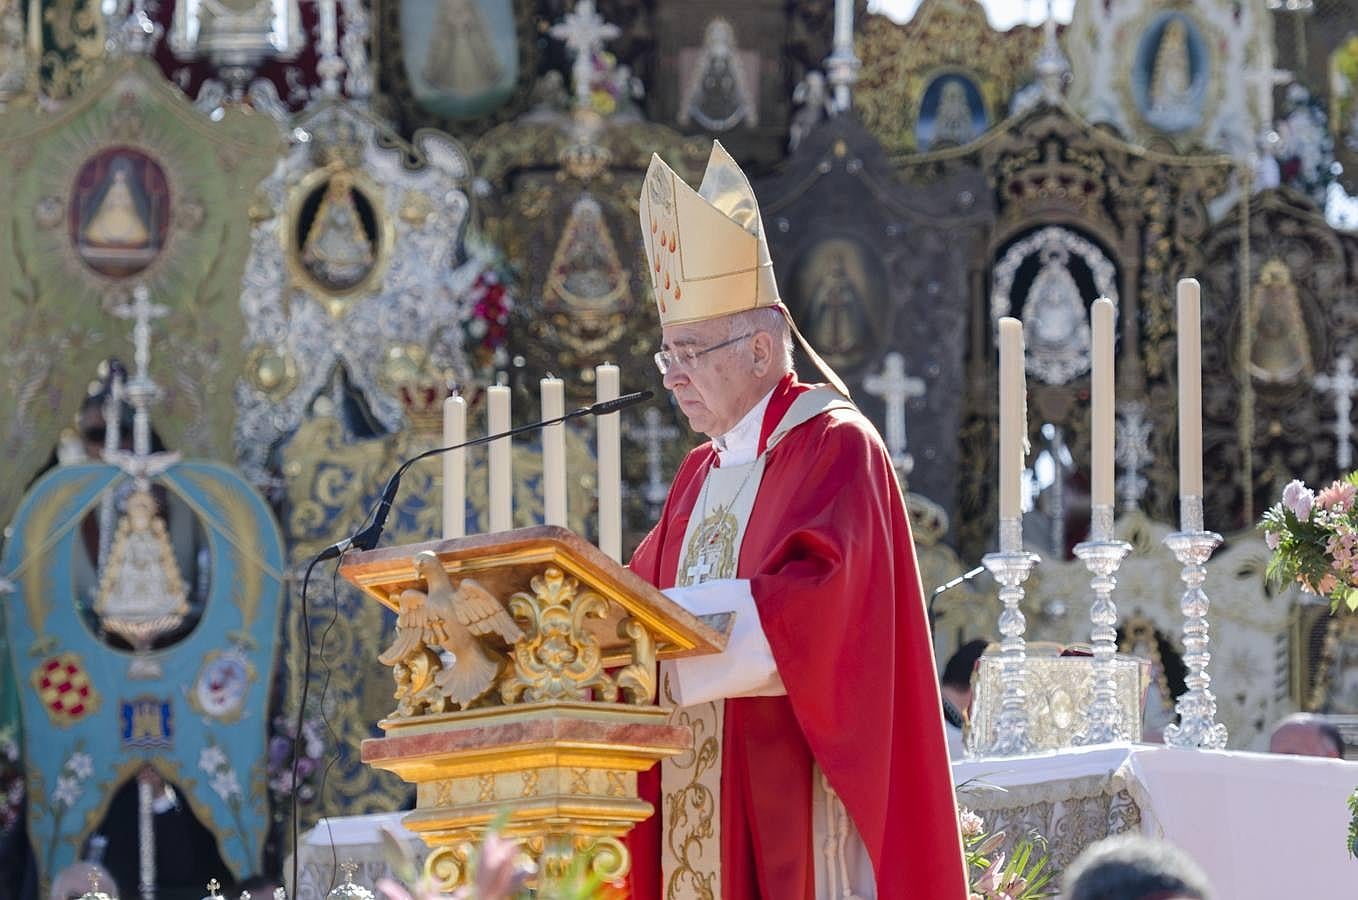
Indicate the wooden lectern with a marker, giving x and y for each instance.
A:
(525, 672)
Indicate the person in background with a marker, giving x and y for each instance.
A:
(1132, 867)
(1303, 734)
(955, 686)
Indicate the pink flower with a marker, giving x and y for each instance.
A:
(1298, 498)
(499, 870)
(1272, 539)
(1338, 497)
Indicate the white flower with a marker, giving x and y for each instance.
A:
(1298, 498)
(8, 749)
(225, 785)
(211, 758)
(971, 823)
(15, 793)
(80, 765)
(67, 792)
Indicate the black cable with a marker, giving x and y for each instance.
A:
(301, 713)
(325, 720)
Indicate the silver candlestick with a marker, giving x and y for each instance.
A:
(1197, 708)
(1011, 567)
(1103, 555)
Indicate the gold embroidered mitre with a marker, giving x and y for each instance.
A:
(705, 249)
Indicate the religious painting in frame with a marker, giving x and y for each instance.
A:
(119, 212)
(838, 299)
(457, 65)
(1171, 72)
(718, 82)
(460, 56)
(338, 237)
(952, 112)
(1048, 277)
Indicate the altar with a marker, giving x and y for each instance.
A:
(1260, 825)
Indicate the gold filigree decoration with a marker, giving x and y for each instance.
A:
(579, 781)
(559, 659)
(608, 857)
(447, 868)
(690, 814)
(416, 692)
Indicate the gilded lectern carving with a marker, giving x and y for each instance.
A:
(525, 673)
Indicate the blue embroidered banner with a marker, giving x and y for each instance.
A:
(95, 712)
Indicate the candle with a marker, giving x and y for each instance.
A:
(454, 468)
(1013, 413)
(1190, 388)
(1101, 404)
(607, 380)
(501, 494)
(553, 453)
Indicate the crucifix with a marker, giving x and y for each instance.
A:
(654, 435)
(895, 388)
(583, 31)
(141, 390)
(1343, 385)
(1133, 452)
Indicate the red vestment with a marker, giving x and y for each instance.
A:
(831, 565)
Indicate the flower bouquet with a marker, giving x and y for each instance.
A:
(1025, 875)
(1314, 539)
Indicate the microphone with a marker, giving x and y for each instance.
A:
(949, 585)
(367, 538)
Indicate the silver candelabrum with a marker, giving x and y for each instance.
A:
(1011, 567)
(1103, 555)
(1197, 708)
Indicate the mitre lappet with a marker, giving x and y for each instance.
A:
(706, 251)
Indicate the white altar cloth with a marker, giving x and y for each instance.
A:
(1261, 825)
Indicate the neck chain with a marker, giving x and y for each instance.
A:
(707, 484)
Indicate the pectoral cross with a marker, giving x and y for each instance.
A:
(896, 388)
(583, 31)
(699, 571)
(1343, 385)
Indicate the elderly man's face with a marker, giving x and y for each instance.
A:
(714, 390)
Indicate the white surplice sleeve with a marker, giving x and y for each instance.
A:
(745, 669)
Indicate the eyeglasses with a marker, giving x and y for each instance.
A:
(686, 357)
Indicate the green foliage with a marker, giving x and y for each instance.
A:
(1353, 824)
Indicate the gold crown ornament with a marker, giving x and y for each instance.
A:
(705, 249)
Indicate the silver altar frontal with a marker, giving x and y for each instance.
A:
(1059, 691)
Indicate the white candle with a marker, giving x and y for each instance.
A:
(501, 486)
(553, 453)
(454, 468)
(1013, 414)
(1190, 388)
(608, 380)
(1101, 404)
